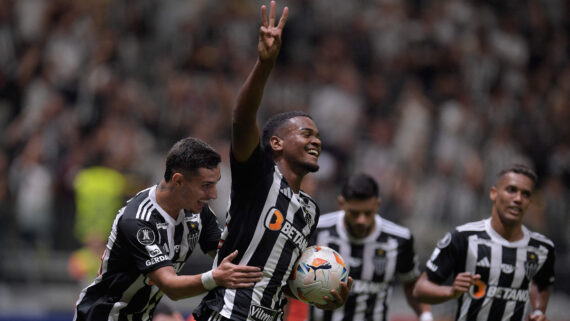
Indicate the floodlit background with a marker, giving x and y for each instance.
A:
(430, 97)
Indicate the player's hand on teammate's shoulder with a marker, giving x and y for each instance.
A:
(230, 275)
(269, 33)
(337, 299)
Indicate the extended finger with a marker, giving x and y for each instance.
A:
(272, 14)
(283, 18)
(264, 15)
(230, 256)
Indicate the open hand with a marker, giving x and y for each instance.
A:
(269, 34)
(231, 275)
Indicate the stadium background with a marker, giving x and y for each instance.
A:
(429, 97)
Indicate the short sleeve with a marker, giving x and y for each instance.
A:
(243, 173)
(444, 258)
(141, 240)
(211, 233)
(407, 261)
(545, 276)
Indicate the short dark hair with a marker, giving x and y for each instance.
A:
(274, 123)
(190, 154)
(519, 169)
(360, 186)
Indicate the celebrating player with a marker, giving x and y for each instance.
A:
(500, 269)
(153, 236)
(270, 218)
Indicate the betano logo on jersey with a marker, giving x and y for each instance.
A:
(480, 290)
(275, 221)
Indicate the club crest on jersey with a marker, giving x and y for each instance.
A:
(531, 265)
(193, 234)
(379, 261)
(145, 236)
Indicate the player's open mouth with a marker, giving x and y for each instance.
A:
(515, 210)
(313, 152)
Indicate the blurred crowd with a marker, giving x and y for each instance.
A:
(432, 98)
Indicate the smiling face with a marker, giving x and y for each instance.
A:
(511, 197)
(298, 142)
(194, 191)
(359, 215)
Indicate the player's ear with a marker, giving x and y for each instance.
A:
(177, 178)
(276, 143)
(493, 193)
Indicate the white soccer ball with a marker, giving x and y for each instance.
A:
(318, 270)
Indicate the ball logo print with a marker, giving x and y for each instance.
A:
(318, 270)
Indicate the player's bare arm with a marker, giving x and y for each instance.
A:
(419, 308)
(245, 133)
(539, 296)
(426, 291)
(227, 274)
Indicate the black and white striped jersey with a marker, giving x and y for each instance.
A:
(375, 262)
(506, 269)
(270, 226)
(143, 238)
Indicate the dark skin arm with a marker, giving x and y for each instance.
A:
(539, 296)
(426, 291)
(418, 307)
(245, 133)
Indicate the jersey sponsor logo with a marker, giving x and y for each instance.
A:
(259, 313)
(531, 265)
(484, 262)
(155, 260)
(367, 287)
(153, 250)
(480, 290)
(276, 222)
(145, 236)
(444, 242)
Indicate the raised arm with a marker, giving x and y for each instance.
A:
(245, 133)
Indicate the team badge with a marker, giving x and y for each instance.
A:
(193, 234)
(531, 265)
(145, 236)
(379, 261)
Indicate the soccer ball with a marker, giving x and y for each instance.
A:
(318, 270)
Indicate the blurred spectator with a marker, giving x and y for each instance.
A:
(422, 95)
